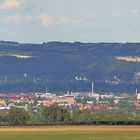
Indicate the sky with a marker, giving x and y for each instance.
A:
(37, 21)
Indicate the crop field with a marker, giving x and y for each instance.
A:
(17, 55)
(71, 133)
(129, 58)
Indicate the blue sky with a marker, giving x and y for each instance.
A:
(37, 21)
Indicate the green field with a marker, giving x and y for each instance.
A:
(92, 135)
(69, 134)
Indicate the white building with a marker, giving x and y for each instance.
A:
(4, 107)
(138, 96)
(45, 95)
(107, 96)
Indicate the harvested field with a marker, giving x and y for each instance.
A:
(71, 133)
(129, 58)
(70, 128)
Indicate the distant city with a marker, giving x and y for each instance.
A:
(72, 100)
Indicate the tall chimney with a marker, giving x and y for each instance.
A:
(136, 91)
(46, 89)
(92, 88)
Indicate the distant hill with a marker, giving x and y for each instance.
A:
(69, 66)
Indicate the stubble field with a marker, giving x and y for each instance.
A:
(71, 133)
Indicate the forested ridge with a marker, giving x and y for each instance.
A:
(29, 67)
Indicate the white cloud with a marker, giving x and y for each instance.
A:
(18, 17)
(129, 13)
(77, 20)
(69, 21)
(117, 14)
(15, 18)
(135, 11)
(11, 4)
(29, 18)
(46, 19)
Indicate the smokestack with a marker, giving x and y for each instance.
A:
(46, 89)
(92, 88)
(136, 91)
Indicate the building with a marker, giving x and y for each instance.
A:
(138, 96)
(45, 95)
(64, 99)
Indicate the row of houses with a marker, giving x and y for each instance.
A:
(36, 100)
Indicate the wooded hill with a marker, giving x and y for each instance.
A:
(69, 66)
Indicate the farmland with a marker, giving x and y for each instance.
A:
(71, 133)
(129, 58)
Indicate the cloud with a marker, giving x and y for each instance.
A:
(18, 17)
(77, 20)
(29, 18)
(15, 18)
(69, 21)
(135, 11)
(46, 19)
(11, 4)
(117, 14)
(129, 13)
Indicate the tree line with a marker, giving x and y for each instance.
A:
(56, 115)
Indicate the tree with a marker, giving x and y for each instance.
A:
(18, 116)
(35, 119)
(55, 114)
(124, 104)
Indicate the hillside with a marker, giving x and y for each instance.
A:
(69, 66)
